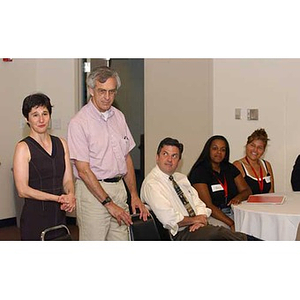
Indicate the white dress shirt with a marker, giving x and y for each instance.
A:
(158, 192)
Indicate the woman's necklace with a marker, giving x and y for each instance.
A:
(259, 179)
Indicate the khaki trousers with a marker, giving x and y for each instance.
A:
(94, 221)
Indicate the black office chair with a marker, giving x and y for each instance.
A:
(150, 230)
(163, 232)
(56, 233)
(142, 230)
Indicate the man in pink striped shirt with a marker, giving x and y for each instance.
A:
(99, 142)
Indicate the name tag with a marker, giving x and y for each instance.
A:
(216, 187)
(268, 179)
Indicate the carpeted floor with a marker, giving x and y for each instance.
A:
(12, 233)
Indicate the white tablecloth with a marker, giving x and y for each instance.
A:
(269, 222)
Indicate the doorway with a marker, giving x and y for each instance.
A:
(130, 100)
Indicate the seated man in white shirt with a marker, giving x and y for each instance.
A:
(159, 193)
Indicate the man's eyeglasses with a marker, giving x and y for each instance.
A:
(110, 92)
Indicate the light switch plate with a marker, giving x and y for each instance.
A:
(252, 114)
(238, 114)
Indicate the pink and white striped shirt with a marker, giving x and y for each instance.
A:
(102, 142)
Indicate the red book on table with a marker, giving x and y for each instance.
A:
(266, 199)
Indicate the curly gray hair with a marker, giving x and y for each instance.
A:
(101, 74)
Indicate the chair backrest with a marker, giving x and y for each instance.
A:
(150, 230)
(163, 232)
(143, 230)
(56, 233)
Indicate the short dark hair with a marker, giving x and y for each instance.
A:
(168, 141)
(33, 100)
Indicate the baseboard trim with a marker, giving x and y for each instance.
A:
(8, 222)
(13, 221)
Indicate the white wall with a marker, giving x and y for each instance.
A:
(272, 86)
(178, 103)
(58, 79)
(17, 79)
(192, 99)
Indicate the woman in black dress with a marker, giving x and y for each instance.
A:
(42, 172)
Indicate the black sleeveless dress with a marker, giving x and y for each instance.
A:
(45, 174)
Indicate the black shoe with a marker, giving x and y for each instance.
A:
(252, 238)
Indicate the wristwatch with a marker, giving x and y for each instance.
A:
(106, 200)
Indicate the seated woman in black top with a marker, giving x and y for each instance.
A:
(218, 182)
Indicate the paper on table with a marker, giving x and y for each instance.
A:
(266, 199)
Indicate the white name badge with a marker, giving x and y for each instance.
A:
(217, 187)
(268, 179)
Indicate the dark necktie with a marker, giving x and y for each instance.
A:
(182, 197)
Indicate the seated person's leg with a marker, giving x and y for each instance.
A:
(210, 233)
